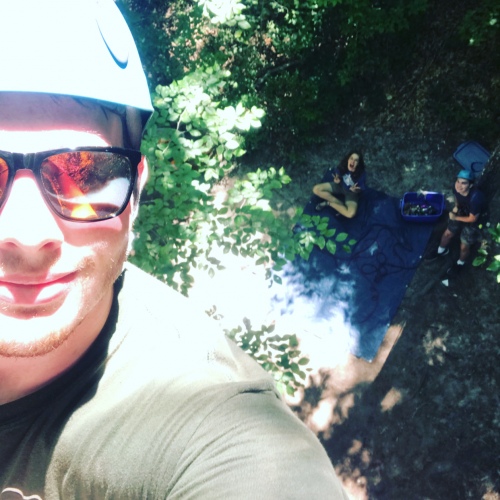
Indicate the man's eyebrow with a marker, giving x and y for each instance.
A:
(116, 109)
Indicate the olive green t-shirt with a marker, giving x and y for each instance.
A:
(162, 405)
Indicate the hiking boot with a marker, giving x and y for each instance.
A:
(433, 254)
(454, 270)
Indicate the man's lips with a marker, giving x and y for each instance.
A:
(34, 290)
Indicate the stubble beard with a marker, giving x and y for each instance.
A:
(73, 314)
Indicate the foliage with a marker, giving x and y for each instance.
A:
(481, 23)
(293, 59)
(494, 265)
(279, 355)
(191, 142)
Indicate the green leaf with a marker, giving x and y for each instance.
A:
(303, 361)
(244, 25)
(479, 261)
(320, 241)
(211, 272)
(494, 266)
(346, 248)
(352, 242)
(331, 246)
(341, 237)
(277, 279)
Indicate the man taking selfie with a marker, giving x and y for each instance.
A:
(110, 385)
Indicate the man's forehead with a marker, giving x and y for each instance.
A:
(37, 122)
(19, 107)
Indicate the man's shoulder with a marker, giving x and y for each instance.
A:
(154, 300)
(477, 194)
(142, 284)
(478, 200)
(175, 337)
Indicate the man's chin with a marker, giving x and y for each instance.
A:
(35, 335)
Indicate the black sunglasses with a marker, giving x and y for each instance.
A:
(81, 184)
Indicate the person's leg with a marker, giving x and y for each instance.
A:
(468, 237)
(442, 250)
(454, 227)
(350, 207)
(446, 238)
(464, 251)
(348, 210)
(326, 190)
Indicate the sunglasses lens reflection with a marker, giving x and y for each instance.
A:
(4, 177)
(86, 185)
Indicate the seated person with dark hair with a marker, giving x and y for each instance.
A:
(349, 180)
(470, 205)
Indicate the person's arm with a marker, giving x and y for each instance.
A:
(253, 447)
(359, 185)
(470, 218)
(356, 188)
(475, 210)
(337, 178)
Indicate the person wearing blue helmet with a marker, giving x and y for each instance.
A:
(465, 219)
(110, 385)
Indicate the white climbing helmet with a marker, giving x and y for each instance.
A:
(80, 48)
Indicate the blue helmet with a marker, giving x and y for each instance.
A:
(466, 174)
(80, 48)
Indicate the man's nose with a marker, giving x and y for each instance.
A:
(25, 220)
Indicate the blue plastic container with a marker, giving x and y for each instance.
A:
(472, 156)
(434, 199)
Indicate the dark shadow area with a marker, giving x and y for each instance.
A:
(428, 426)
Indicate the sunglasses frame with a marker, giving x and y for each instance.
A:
(33, 162)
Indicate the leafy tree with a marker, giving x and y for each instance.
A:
(193, 141)
(481, 23)
(489, 184)
(293, 59)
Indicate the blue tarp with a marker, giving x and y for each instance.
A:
(355, 296)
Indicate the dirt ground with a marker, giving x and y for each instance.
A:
(422, 420)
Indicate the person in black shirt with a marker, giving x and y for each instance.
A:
(348, 181)
(112, 385)
(465, 219)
